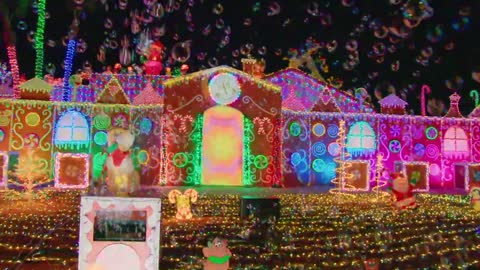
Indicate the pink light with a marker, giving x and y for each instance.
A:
(425, 91)
(12, 57)
(4, 168)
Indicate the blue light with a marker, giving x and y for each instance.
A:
(67, 89)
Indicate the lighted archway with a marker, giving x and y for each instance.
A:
(222, 147)
(455, 143)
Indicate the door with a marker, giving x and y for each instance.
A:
(222, 147)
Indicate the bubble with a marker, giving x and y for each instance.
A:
(188, 15)
(351, 45)
(122, 4)
(273, 9)
(217, 9)
(286, 22)
(157, 11)
(224, 42)
(108, 23)
(455, 83)
(149, 3)
(244, 50)
(395, 66)
(278, 52)
(50, 68)
(213, 61)
(79, 2)
(247, 22)
(176, 37)
(348, 3)
(181, 51)
(262, 50)
(169, 6)
(191, 3)
(436, 34)
(465, 11)
(312, 9)
(427, 52)
(395, 2)
(461, 24)
(476, 75)
(22, 25)
(228, 30)
(235, 63)
(416, 73)
(112, 44)
(256, 7)
(51, 43)
(326, 20)
(206, 30)
(31, 36)
(449, 46)
(379, 48)
(201, 56)
(219, 24)
(332, 46)
(235, 53)
(81, 46)
(191, 27)
(391, 48)
(158, 32)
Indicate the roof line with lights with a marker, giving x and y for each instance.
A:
(182, 79)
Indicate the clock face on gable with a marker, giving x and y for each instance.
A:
(224, 88)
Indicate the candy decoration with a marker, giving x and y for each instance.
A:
(425, 91)
(474, 95)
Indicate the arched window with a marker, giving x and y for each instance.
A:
(455, 143)
(361, 139)
(72, 130)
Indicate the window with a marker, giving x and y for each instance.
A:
(72, 130)
(455, 143)
(361, 139)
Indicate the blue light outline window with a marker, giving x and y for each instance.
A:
(363, 136)
(79, 130)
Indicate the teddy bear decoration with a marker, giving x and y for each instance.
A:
(218, 255)
(402, 190)
(183, 202)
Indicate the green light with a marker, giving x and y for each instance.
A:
(260, 162)
(39, 39)
(102, 121)
(295, 129)
(194, 173)
(431, 133)
(180, 160)
(100, 138)
(248, 137)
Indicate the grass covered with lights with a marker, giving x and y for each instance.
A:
(316, 231)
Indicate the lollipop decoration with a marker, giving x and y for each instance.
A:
(425, 91)
(474, 95)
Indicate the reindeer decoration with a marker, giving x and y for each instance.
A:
(183, 202)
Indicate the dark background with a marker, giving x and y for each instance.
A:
(290, 28)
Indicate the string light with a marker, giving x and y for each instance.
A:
(39, 38)
(68, 65)
(327, 235)
(12, 58)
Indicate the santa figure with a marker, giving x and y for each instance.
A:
(402, 191)
(154, 64)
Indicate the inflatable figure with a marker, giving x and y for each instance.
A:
(475, 194)
(218, 255)
(183, 201)
(402, 191)
(154, 64)
(121, 175)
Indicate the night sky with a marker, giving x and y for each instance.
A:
(440, 51)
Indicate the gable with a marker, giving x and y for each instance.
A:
(113, 93)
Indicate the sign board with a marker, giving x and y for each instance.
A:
(119, 233)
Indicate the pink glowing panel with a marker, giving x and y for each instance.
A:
(455, 143)
(109, 258)
(222, 148)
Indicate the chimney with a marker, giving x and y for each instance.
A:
(454, 111)
(254, 67)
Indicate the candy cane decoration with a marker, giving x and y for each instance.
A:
(474, 95)
(425, 91)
